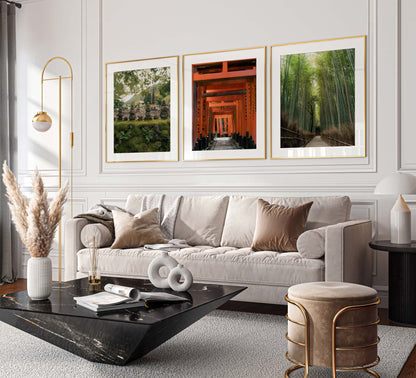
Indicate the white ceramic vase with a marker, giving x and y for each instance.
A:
(163, 260)
(175, 276)
(39, 278)
(400, 222)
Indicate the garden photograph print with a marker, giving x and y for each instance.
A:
(318, 99)
(141, 110)
(223, 116)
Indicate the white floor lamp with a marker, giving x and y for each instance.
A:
(400, 216)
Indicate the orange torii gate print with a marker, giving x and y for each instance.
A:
(224, 105)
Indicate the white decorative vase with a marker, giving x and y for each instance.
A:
(175, 276)
(39, 278)
(153, 271)
(400, 222)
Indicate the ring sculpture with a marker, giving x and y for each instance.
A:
(174, 278)
(176, 271)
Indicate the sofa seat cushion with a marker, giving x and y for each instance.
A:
(221, 264)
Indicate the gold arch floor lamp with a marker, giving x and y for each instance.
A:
(42, 122)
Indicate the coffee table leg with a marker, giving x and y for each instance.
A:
(402, 288)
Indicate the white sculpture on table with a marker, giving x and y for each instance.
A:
(176, 271)
(175, 275)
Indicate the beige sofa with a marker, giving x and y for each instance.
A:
(220, 230)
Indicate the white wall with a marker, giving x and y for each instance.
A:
(94, 32)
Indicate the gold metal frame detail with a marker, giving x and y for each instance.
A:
(177, 110)
(306, 345)
(365, 99)
(183, 103)
(71, 138)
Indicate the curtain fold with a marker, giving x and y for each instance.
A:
(9, 243)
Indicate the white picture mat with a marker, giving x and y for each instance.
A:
(188, 61)
(359, 150)
(111, 68)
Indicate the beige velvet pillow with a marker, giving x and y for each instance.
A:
(278, 227)
(135, 231)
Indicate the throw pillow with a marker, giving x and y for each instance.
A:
(278, 227)
(200, 219)
(311, 244)
(102, 234)
(135, 231)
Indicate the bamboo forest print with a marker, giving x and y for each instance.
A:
(142, 110)
(317, 99)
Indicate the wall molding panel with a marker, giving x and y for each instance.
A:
(295, 166)
(406, 81)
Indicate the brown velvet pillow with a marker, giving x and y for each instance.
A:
(278, 227)
(135, 231)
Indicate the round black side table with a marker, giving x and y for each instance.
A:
(402, 280)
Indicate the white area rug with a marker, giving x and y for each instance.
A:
(223, 344)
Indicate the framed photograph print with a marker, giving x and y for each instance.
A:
(224, 105)
(142, 110)
(318, 99)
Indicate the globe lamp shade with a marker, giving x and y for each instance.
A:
(397, 183)
(42, 122)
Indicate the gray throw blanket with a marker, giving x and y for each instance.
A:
(168, 210)
(101, 214)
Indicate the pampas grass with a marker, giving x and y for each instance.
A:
(35, 220)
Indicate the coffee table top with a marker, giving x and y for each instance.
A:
(61, 301)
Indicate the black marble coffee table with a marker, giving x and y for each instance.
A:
(114, 338)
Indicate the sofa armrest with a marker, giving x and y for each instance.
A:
(72, 244)
(347, 253)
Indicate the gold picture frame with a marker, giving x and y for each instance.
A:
(354, 145)
(155, 139)
(239, 142)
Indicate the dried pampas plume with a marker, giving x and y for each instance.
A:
(35, 220)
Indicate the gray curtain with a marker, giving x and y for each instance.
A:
(8, 137)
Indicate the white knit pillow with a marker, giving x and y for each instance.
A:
(311, 243)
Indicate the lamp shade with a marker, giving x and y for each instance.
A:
(397, 183)
(42, 122)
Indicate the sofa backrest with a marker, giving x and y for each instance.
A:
(231, 220)
(240, 221)
(199, 220)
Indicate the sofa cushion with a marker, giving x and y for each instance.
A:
(278, 227)
(208, 264)
(240, 221)
(200, 220)
(134, 203)
(311, 243)
(135, 231)
(324, 211)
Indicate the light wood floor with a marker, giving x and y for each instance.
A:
(408, 371)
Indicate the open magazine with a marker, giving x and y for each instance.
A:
(172, 245)
(116, 297)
